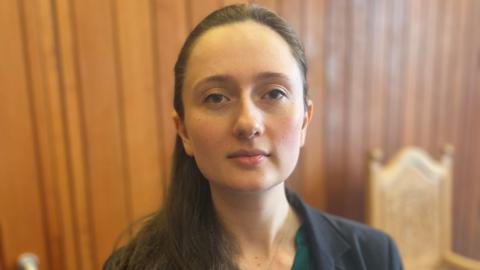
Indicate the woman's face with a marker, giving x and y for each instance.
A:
(245, 119)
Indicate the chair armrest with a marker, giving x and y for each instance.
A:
(462, 262)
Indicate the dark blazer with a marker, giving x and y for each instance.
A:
(338, 243)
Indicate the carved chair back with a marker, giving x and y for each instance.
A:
(409, 198)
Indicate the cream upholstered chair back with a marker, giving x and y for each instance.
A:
(410, 199)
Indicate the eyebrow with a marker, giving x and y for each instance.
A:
(215, 78)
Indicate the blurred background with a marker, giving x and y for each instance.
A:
(86, 88)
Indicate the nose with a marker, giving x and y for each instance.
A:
(249, 121)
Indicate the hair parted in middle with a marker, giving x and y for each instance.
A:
(186, 233)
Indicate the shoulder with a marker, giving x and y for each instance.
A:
(364, 246)
(355, 232)
(337, 241)
(123, 259)
(358, 235)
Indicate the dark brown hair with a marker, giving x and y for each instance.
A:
(186, 233)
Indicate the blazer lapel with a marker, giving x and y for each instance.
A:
(326, 243)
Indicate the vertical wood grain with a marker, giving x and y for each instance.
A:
(356, 101)
(121, 110)
(40, 108)
(337, 41)
(231, 2)
(396, 74)
(470, 245)
(377, 87)
(168, 41)
(474, 241)
(199, 10)
(471, 205)
(430, 50)
(48, 115)
(313, 153)
(21, 207)
(413, 42)
(105, 176)
(294, 13)
(447, 119)
(468, 217)
(270, 4)
(456, 103)
(74, 130)
(441, 76)
(422, 14)
(136, 60)
(2, 256)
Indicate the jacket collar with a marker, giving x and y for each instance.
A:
(326, 243)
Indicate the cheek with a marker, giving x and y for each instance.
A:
(289, 131)
(204, 135)
(287, 145)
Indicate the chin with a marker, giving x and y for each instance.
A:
(247, 187)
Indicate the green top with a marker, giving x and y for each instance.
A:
(302, 258)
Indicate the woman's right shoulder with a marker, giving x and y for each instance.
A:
(142, 251)
(126, 259)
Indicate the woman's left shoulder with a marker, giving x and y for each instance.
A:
(337, 241)
(364, 247)
(356, 232)
(359, 234)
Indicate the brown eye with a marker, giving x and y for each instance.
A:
(215, 98)
(275, 94)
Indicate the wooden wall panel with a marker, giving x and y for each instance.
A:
(137, 78)
(102, 116)
(413, 54)
(3, 260)
(22, 207)
(312, 161)
(70, 86)
(167, 43)
(271, 4)
(468, 236)
(231, 2)
(49, 133)
(410, 65)
(397, 33)
(453, 115)
(377, 67)
(467, 204)
(336, 38)
(197, 10)
(430, 49)
(458, 102)
(356, 99)
(294, 13)
(442, 76)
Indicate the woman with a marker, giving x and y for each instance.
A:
(241, 113)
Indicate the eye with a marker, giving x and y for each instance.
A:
(275, 94)
(215, 98)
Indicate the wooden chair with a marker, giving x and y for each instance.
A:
(410, 199)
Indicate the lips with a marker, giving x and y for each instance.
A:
(248, 158)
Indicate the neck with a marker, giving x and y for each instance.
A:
(255, 219)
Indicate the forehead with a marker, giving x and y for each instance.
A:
(242, 50)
